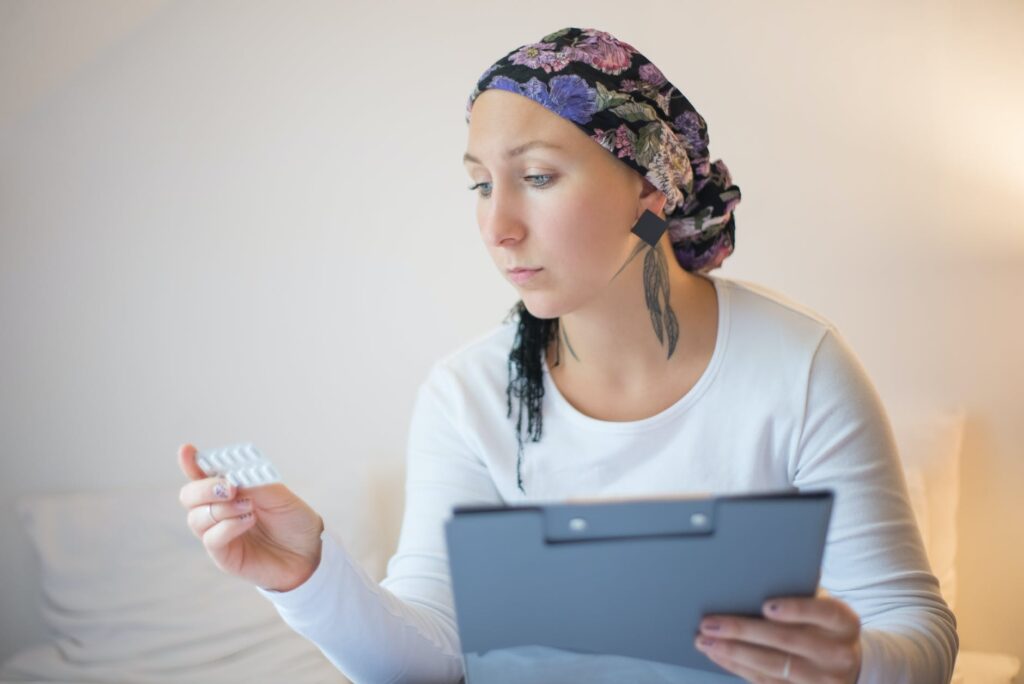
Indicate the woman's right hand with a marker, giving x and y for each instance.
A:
(264, 534)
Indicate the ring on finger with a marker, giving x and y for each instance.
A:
(209, 511)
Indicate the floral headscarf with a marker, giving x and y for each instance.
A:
(625, 104)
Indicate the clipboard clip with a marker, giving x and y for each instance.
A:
(566, 523)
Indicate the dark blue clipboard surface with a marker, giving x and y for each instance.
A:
(617, 589)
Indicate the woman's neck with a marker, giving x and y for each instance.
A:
(611, 346)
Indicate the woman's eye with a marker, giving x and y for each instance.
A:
(482, 193)
(487, 192)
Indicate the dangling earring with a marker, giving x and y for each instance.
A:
(649, 228)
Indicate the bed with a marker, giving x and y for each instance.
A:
(129, 595)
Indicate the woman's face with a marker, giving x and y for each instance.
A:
(564, 205)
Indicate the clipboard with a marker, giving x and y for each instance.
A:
(619, 587)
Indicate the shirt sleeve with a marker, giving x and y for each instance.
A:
(874, 556)
(403, 629)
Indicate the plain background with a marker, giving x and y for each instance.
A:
(226, 221)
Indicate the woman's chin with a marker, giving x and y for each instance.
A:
(541, 306)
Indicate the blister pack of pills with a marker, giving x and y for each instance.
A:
(240, 464)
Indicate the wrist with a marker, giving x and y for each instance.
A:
(307, 567)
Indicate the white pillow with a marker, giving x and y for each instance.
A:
(930, 441)
(131, 595)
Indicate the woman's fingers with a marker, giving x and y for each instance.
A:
(801, 640)
(210, 490)
(214, 514)
(828, 612)
(223, 533)
(187, 462)
(201, 518)
(819, 635)
(754, 674)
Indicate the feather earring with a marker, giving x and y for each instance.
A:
(649, 228)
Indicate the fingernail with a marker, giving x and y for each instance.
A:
(243, 504)
(773, 607)
(710, 626)
(705, 642)
(222, 490)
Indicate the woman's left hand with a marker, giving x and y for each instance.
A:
(801, 640)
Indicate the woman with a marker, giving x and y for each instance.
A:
(598, 201)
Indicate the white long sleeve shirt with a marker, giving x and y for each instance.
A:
(783, 403)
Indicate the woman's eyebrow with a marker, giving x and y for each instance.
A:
(517, 150)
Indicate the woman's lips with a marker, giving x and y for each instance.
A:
(521, 275)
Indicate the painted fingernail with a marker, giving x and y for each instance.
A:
(243, 504)
(705, 642)
(710, 626)
(221, 490)
(773, 607)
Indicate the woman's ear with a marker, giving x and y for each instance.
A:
(652, 198)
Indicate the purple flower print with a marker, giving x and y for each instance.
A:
(652, 85)
(599, 49)
(652, 74)
(541, 56)
(505, 83)
(567, 95)
(624, 141)
(694, 130)
(536, 90)
(573, 98)
(603, 51)
(704, 243)
(619, 141)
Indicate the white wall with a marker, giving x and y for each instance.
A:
(224, 221)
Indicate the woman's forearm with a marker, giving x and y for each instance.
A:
(365, 630)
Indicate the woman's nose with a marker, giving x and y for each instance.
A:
(500, 226)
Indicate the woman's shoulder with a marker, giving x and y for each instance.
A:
(751, 297)
(772, 338)
(755, 307)
(766, 328)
